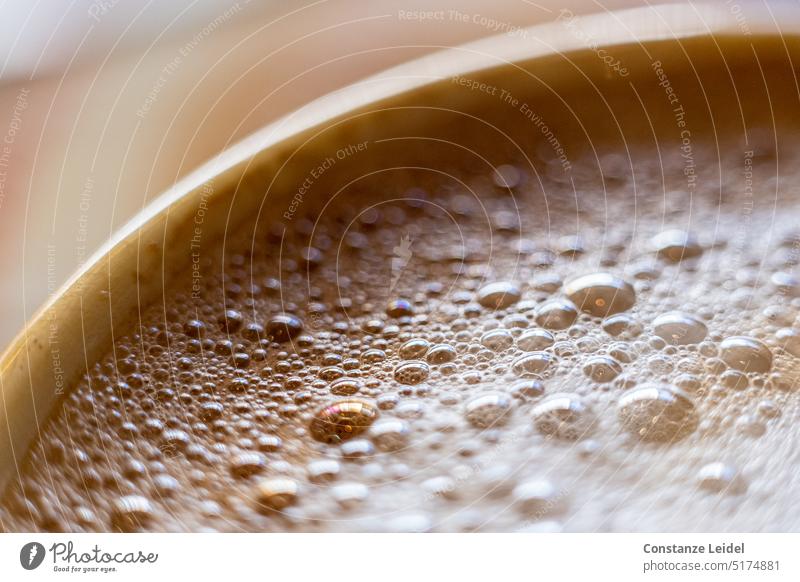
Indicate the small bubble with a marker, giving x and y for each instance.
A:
(527, 389)
(535, 340)
(247, 464)
(357, 449)
(768, 409)
(556, 314)
(488, 410)
(507, 176)
(789, 339)
(342, 420)
(283, 327)
(676, 245)
(411, 372)
(600, 294)
(750, 426)
(532, 364)
(602, 369)
(277, 493)
(414, 349)
(564, 416)
(657, 413)
(131, 513)
(231, 321)
(497, 340)
(390, 434)
(323, 471)
(720, 478)
(746, 354)
(345, 387)
(499, 295)
(537, 498)
(734, 379)
(211, 411)
(679, 329)
(349, 494)
(441, 354)
(620, 324)
(399, 308)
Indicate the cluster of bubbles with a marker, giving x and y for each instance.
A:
(600, 379)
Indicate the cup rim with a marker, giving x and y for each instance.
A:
(636, 26)
(630, 26)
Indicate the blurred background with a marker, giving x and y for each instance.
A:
(106, 103)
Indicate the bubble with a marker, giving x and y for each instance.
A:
(564, 416)
(410, 409)
(276, 493)
(399, 308)
(507, 176)
(535, 340)
(720, 478)
(499, 295)
(556, 314)
(488, 410)
(413, 522)
(527, 389)
(247, 464)
(620, 324)
(323, 471)
(746, 354)
(621, 352)
(750, 426)
(330, 373)
(789, 340)
(537, 498)
(345, 387)
(600, 294)
(342, 420)
(165, 485)
(786, 283)
(387, 401)
(602, 369)
(768, 409)
(176, 439)
(532, 364)
(357, 449)
(679, 329)
(349, 494)
(283, 327)
(194, 328)
(497, 340)
(269, 443)
(211, 411)
(231, 321)
(131, 513)
(676, 245)
(734, 379)
(547, 282)
(506, 221)
(571, 246)
(390, 434)
(414, 349)
(657, 413)
(373, 356)
(441, 354)
(411, 372)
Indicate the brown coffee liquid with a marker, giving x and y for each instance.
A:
(612, 346)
